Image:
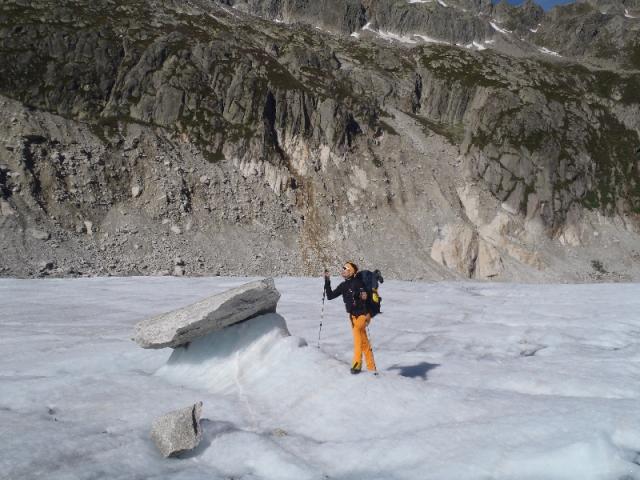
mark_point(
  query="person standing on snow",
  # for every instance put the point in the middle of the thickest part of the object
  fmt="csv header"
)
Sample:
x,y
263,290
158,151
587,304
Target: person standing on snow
x,y
356,302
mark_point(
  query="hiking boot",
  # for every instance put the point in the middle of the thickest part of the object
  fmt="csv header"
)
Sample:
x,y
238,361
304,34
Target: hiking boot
x,y
355,370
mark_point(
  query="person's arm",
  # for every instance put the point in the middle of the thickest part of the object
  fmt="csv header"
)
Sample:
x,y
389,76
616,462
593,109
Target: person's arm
x,y
331,294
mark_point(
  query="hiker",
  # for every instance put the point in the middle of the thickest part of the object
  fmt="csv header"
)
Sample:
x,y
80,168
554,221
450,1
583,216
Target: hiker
x,y
358,307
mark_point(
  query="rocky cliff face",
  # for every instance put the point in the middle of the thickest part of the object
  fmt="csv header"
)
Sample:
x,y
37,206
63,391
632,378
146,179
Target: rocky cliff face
x,y
281,137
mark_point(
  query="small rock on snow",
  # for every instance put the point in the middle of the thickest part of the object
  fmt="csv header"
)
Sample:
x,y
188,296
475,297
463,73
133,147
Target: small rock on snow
x,y
178,431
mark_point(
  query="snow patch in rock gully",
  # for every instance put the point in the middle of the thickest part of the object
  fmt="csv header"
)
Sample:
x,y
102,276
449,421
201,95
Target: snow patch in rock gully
x,y
504,31
428,39
546,51
472,45
506,381
391,36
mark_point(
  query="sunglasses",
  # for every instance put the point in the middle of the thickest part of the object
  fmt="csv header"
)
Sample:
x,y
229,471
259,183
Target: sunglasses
x,y
346,267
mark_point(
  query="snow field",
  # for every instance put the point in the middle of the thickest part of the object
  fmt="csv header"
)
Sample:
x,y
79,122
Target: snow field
x,y
477,381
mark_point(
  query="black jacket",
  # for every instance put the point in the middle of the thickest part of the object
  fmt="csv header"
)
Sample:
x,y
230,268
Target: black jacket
x,y
350,290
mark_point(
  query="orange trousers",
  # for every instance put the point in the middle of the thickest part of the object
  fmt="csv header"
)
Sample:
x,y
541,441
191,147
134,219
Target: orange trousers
x,y
361,342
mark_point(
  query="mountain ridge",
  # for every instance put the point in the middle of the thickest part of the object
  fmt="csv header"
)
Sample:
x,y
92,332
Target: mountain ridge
x,y
197,138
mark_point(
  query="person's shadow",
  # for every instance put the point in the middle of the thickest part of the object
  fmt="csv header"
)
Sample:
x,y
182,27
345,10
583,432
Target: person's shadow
x,y
414,371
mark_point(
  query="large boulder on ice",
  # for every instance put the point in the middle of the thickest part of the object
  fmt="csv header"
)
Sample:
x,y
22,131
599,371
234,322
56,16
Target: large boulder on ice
x,y
178,431
181,326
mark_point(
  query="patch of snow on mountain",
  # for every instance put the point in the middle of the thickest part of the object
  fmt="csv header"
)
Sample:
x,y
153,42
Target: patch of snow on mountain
x,y
479,46
504,31
420,1
627,14
229,10
324,30
214,17
389,36
549,52
427,39
473,45
442,3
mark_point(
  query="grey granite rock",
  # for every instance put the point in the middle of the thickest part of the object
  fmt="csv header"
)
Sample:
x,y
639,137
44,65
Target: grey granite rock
x,y
180,326
178,431
39,234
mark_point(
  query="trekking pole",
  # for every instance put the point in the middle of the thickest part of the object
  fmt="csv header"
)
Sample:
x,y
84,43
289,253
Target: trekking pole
x,y
321,317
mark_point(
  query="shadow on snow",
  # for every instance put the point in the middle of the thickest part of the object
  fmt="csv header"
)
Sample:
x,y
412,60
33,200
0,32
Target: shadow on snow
x,y
414,371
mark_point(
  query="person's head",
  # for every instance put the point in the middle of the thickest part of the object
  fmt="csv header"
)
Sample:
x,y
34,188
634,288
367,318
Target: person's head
x,y
349,270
